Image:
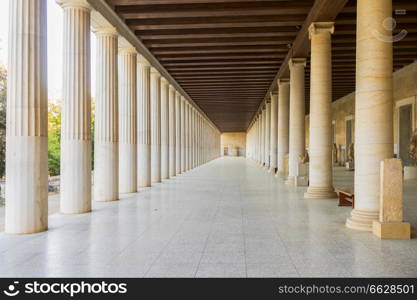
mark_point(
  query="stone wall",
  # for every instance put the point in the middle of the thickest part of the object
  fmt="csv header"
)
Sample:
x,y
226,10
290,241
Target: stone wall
x,y
235,143
405,92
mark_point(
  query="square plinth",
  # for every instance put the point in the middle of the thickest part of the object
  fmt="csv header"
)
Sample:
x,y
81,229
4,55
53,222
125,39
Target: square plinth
x,y
388,230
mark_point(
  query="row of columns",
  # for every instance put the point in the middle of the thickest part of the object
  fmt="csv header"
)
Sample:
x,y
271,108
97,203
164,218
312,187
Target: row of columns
x,y
373,114
144,130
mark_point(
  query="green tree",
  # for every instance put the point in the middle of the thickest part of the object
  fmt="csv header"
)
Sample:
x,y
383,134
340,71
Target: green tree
x,y
54,137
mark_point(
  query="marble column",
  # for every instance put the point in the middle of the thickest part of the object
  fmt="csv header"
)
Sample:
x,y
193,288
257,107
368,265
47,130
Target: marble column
x,y
297,116
164,128
321,164
283,122
127,120
155,126
373,108
27,119
106,131
273,145
172,131
182,142
187,136
267,134
76,155
178,122
262,139
144,122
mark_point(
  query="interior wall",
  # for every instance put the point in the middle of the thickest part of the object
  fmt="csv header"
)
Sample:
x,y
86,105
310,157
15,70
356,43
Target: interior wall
x,y
235,142
405,92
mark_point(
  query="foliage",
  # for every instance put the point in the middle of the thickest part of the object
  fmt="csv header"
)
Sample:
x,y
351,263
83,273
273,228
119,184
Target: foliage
x,y
54,137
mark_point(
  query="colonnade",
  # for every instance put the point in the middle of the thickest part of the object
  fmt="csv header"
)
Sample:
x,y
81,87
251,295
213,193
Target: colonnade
x,y
373,114
145,129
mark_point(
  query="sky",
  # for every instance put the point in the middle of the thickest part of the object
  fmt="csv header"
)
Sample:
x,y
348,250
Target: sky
x,y
55,41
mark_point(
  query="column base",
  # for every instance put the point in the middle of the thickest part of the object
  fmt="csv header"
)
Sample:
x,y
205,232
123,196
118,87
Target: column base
x,y
290,180
361,219
272,170
320,193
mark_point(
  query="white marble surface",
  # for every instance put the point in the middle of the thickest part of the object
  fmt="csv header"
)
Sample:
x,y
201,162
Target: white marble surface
x,y
227,218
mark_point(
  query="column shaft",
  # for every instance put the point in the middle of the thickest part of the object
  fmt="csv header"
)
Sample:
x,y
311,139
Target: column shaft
x,y
373,108
75,189
27,119
321,171
267,134
127,120
106,132
178,142
172,131
144,123
283,122
155,126
273,146
183,117
297,116
164,129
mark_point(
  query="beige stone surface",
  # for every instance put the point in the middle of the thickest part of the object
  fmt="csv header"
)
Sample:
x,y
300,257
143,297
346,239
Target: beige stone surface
x,y
391,191
233,140
394,231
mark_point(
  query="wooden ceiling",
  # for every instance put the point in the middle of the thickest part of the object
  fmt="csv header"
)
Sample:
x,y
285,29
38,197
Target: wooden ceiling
x,y
226,53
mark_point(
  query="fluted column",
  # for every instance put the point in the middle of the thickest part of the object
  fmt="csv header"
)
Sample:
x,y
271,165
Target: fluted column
x,y
75,189
263,124
283,122
178,142
155,125
127,120
187,136
27,119
172,131
273,145
297,116
320,175
106,132
373,108
267,134
144,122
183,117
164,128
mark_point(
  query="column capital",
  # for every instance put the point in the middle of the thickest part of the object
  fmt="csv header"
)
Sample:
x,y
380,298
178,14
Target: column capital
x,y
155,72
127,50
282,81
74,4
143,61
273,94
177,94
164,81
105,31
297,62
320,27
172,88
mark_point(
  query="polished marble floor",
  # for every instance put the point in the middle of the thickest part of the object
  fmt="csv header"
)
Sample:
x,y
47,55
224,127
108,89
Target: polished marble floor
x,y
228,218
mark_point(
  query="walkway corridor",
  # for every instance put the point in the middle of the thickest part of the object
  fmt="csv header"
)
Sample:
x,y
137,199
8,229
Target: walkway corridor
x,y
228,218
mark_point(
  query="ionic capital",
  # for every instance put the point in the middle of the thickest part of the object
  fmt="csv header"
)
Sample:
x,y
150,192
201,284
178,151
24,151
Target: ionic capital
x,y
74,4
320,27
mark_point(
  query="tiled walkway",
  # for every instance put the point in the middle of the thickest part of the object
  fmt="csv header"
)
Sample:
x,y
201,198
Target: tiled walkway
x,y
227,218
